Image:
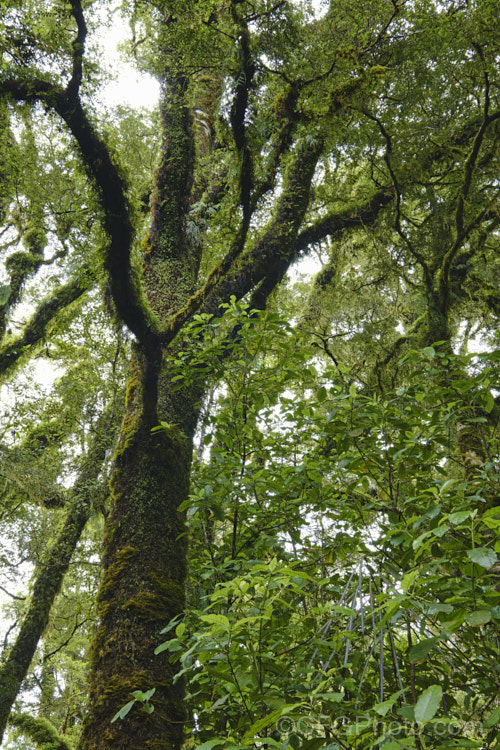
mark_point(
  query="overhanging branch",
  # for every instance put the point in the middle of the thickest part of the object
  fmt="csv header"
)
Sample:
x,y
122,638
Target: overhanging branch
x,y
36,328
111,190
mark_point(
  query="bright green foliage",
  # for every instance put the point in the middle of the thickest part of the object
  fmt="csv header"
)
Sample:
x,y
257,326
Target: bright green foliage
x,y
340,565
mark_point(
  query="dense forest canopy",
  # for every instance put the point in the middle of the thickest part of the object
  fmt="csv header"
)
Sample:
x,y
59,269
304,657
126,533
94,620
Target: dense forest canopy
x,y
250,377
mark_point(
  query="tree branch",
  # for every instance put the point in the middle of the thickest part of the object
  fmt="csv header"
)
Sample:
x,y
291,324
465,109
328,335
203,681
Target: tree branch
x,y
112,194
40,731
330,225
50,574
36,328
78,46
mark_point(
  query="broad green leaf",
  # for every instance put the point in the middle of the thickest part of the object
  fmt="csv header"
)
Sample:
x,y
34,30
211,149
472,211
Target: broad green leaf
x,y
422,649
493,718
179,631
435,608
271,718
383,708
313,744
408,579
209,744
171,645
446,485
321,394
215,620
143,696
428,704
459,517
479,617
417,543
489,403
483,556
4,294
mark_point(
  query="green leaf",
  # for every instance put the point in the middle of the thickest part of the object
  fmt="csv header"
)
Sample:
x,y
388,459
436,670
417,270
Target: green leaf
x,y
383,708
417,543
179,631
261,724
141,696
489,403
429,351
4,294
422,649
428,704
313,744
215,620
459,517
209,744
479,617
493,718
483,556
408,579
123,711
172,624
321,394
171,645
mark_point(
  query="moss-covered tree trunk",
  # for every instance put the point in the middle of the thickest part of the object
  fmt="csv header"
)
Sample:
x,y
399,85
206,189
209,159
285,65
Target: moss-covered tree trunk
x,y
144,550
142,587
50,575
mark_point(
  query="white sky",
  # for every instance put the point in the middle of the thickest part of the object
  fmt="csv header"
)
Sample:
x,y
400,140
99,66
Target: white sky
x,y
129,87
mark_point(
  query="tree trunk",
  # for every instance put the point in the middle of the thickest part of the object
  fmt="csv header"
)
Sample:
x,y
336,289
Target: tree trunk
x,y
145,547
144,571
49,577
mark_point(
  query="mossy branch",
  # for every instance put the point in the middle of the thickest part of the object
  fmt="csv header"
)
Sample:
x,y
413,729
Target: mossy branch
x,y
273,248
238,113
112,194
462,231
78,49
40,731
50,574
355,216
35,330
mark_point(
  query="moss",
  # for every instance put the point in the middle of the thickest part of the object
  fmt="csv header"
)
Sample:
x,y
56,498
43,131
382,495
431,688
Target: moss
x,y
117,689
113,574
149,605
165,599
131,420
42,732
145,246
21,263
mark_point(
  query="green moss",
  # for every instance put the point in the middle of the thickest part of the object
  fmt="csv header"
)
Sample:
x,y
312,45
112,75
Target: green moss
x,y
131,420
113,574
42,732
149,605
118,688
21,263
165,598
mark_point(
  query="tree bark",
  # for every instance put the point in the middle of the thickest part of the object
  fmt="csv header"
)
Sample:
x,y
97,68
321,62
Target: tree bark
x,y
145,547
49,577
